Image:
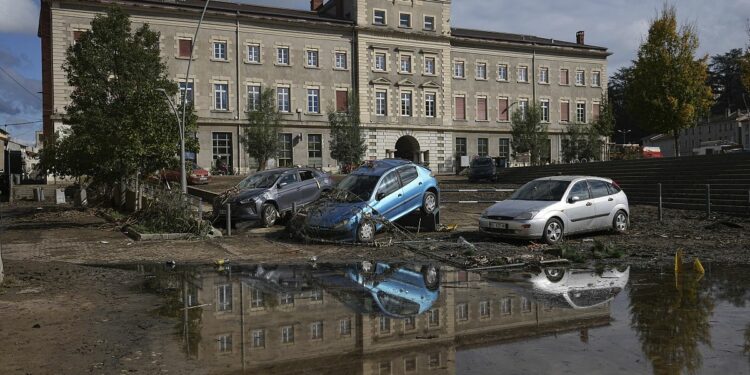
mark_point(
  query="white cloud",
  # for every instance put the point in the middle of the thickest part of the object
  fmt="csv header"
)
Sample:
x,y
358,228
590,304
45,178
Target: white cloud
x,y
19,16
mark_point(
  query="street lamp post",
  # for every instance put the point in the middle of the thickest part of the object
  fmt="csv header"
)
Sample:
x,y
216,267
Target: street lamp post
x,y
181,129
624,133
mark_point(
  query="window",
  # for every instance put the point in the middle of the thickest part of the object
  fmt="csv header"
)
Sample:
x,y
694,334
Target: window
x,y
462,312
221,144
253,53
185,46
525,305
544,75
282,55
429,104
523,74
221,96
384,368
259,338
502,72
404,20
253,97
186,87
481,109
581,112
564,111
315,295
580,78
381,103
504,151
502,109
345,327
406,64
312,59
406,104
429,23
506,306
256,298
389,185
378,17
341,60
544,105
483,147
410,323
313,100
315,151
407,175
433,319
410,364
595,109
523,106
385,323
77,35
461,147
287,298
460,107
220,50
285,160
342,100
458,69
433,361
380,62
598,188
316,331
580,190
564,77
481,72
224,294
429,65
484,309
287,335
596,79
283,99
224,344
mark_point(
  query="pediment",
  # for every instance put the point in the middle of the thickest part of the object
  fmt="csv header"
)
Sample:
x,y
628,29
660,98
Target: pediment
x,y
430,85
381,81
406,82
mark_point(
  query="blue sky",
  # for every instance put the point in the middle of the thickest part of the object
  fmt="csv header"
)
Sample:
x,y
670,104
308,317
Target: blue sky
x,y
616,24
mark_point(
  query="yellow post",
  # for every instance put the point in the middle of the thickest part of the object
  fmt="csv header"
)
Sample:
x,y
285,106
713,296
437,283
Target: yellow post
x,y
678,262
698,267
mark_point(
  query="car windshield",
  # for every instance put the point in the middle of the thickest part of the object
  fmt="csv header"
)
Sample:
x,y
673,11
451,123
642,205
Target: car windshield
x,y
542,190
481,162
397,305
357,188
262,180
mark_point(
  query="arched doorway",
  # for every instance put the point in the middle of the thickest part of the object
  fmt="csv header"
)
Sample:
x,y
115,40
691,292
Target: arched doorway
x,y
407,147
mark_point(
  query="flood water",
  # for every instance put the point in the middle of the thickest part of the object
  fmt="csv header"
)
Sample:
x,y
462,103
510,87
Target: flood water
x,y
379,318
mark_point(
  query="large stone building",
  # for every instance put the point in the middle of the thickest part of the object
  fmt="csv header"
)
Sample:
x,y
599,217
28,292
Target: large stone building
x,y
426,91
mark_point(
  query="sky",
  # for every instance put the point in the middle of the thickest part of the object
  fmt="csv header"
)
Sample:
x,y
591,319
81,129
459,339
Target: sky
x,y
616,24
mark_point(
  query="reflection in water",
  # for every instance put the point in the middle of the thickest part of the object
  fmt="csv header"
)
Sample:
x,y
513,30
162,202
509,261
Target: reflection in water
x,y
359,319
671,318
747,342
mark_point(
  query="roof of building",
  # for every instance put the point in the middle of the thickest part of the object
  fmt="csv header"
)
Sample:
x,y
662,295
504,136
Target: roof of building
x,y
518,38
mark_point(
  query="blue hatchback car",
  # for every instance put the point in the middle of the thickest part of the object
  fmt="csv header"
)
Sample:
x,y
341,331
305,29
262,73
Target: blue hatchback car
x,y
379,191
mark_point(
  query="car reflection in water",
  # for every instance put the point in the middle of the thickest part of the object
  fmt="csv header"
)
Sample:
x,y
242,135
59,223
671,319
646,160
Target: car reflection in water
x,y
567,287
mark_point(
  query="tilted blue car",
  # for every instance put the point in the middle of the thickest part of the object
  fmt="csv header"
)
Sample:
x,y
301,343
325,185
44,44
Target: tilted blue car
x,y
380,191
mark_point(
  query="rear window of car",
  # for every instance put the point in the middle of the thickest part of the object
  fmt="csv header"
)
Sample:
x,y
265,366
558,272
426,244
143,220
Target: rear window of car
x,y
389,184
598,188
481,162
306,175
408,175
613,189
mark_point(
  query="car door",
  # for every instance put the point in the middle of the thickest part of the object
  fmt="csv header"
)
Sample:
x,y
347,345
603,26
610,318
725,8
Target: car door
x,y
411,185
389,197
582,212
309,188
604,203
286,190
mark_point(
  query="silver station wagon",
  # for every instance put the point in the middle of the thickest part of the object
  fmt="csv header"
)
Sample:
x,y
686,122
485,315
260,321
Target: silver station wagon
x,y
552,207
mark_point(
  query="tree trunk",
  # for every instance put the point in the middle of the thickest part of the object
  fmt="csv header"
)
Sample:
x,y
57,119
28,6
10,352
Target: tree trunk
x,y
676,143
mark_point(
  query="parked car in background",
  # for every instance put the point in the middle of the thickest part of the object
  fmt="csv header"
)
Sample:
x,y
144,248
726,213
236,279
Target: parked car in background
x,y
196,175
379,190
552,207
267,196
482,168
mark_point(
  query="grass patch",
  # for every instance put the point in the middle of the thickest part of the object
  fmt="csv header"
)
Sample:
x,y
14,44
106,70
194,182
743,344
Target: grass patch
x,y
571,253
606,251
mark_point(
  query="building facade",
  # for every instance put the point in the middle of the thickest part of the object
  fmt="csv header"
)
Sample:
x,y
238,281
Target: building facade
x,y
732,129
426,91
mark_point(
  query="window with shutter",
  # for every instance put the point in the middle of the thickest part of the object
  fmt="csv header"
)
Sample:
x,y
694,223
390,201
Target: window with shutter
x,y
503,114
596,109
342,101
77,35
564,111
185,46
481,109
460,108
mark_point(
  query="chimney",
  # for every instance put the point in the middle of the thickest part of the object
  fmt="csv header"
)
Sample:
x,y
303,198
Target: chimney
x,y
315,5
581,37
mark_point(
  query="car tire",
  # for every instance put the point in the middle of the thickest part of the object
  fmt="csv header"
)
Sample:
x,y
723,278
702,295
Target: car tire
x,y
366,231
268,215
429,203
431,276
554,274
553,232
620,223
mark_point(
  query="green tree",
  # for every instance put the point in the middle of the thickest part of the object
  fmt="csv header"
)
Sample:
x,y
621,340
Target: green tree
x,y
529,134
582,141
725,73
347,145
624,119
668,90
261,133
121,127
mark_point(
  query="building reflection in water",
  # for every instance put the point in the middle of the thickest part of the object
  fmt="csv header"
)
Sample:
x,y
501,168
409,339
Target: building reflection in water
x,y
372,319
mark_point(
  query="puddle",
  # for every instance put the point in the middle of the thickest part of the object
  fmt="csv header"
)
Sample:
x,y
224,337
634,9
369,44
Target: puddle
x,y
379,318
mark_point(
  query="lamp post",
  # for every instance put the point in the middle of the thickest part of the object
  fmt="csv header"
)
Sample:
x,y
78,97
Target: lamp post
x,y
624,133
181,128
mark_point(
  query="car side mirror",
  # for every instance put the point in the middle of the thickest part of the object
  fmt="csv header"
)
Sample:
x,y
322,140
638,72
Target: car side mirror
x,y
574,199
281,185
380,196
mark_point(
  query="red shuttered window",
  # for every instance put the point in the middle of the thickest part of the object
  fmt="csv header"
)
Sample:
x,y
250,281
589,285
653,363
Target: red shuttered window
x,y
342,101
460,108
185,45
565,111
502,108
481,109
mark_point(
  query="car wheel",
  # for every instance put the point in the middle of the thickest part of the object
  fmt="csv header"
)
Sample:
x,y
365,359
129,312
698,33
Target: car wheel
x,y
366,231
431,276
554,274
620,222
553,232
429,203
269,215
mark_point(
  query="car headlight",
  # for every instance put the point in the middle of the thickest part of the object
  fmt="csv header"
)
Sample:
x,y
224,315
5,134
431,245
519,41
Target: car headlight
x,y
247,201
526,215
484,214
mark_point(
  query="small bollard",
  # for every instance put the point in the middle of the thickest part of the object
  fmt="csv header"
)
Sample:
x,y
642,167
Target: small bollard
x,y
229,219
661,208
708,201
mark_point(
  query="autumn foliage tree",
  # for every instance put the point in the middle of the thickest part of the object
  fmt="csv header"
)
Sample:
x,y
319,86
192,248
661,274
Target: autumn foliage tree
x,y
261,135
669,90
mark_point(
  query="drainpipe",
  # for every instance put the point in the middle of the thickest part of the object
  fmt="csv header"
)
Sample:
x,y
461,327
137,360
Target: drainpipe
x,y
239,111
533,75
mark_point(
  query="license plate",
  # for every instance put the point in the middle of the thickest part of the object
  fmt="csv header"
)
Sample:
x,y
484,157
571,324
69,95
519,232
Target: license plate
x,y
204,178
498,226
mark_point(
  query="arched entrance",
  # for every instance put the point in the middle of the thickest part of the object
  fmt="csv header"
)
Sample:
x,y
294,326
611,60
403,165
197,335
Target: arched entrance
x,y
407,147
